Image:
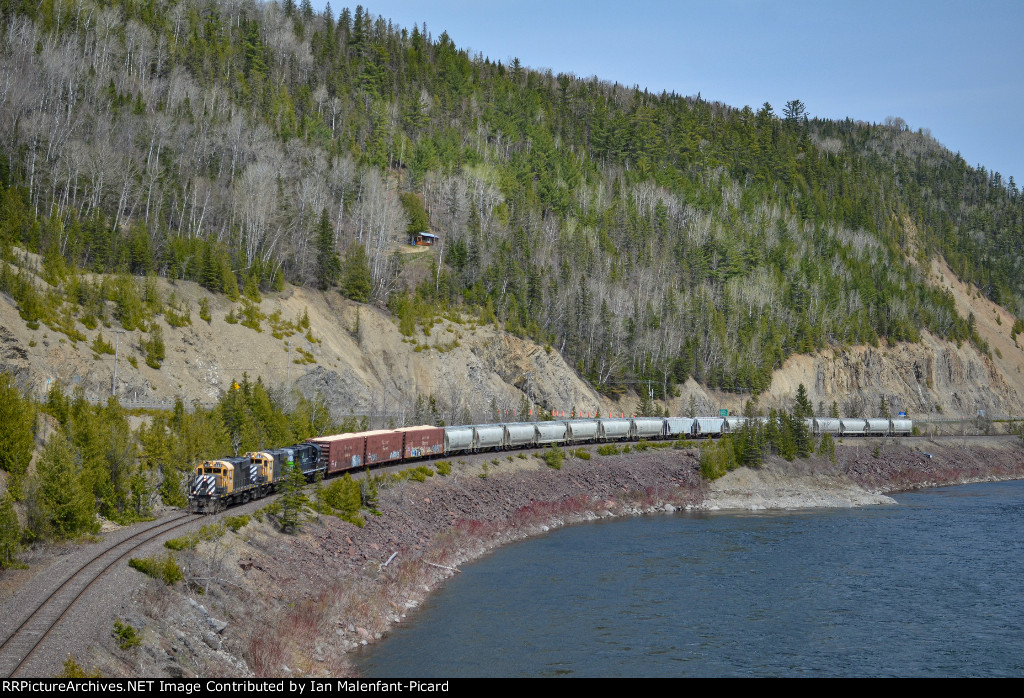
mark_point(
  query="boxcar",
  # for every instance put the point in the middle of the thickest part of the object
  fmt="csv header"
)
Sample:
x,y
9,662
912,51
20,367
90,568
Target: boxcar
x,y
384,446
341,452
423,441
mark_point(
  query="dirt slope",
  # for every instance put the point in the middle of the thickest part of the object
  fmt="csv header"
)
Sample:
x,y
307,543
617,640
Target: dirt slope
x,y
361,364
358,360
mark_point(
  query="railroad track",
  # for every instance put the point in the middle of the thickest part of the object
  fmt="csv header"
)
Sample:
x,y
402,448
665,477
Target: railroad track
x,y
19,647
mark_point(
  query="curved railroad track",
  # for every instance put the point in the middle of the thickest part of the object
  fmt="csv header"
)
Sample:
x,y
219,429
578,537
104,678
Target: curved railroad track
x,y
18,647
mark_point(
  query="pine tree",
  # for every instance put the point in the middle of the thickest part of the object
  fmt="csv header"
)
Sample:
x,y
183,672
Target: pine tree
x,y
61,507
292,499
802,408
327,261
356,280
10,532
17,419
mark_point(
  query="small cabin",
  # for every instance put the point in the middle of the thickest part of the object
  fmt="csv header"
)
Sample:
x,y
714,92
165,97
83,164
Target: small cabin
x,y
425,239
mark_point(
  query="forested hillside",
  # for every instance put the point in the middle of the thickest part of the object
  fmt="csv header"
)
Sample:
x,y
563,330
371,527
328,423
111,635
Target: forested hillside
x,y
647,237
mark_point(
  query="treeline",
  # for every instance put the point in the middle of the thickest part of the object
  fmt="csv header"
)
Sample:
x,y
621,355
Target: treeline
x,y
647,237
94,464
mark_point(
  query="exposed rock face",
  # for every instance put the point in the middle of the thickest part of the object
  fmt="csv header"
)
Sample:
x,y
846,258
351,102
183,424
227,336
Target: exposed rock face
x,y
933,377
365,366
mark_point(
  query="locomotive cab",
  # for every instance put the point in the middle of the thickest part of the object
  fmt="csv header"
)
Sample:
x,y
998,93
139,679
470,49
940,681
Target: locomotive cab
x,y
218,483
212,482
268,467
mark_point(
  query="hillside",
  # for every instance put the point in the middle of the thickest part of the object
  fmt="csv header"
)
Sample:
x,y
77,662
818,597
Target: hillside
x,y
651,240
361,364
359,360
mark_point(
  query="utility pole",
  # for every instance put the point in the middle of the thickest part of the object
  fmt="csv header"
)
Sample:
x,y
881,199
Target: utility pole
x,y
113,380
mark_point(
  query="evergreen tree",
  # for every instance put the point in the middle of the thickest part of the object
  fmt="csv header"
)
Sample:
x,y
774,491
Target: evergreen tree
x,y
17,422
61,507
327,261
292,499
356,280
10,532
802,407
419,221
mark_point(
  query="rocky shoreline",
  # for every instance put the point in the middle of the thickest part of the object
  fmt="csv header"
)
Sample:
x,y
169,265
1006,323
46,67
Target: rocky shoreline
x,y
335,587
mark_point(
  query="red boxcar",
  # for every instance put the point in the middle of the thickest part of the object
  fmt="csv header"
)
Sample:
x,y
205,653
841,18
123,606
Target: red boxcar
x,y
342,451
423,441
383,446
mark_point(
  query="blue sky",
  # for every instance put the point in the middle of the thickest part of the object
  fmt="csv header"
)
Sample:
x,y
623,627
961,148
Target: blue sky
x,y
951,67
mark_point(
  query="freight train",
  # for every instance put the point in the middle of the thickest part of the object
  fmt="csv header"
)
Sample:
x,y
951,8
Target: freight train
x,y
219,483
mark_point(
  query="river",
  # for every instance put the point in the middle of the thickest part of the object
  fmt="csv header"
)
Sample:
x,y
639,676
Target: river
x,y
931,586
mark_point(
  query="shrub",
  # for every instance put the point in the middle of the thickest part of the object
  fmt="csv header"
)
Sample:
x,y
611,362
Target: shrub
x,y
188,541
251,315
582,453
608,450
717,458
74,670
444,467
154,346
163,568
235,523
554,457
101,346
126,636
344,497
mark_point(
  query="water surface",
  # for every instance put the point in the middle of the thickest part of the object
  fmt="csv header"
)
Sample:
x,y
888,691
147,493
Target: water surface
x,y
929,587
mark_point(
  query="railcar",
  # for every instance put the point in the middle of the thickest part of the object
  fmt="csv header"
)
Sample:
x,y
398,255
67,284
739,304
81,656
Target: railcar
x,y
709,426
649,427
826,425
520,434
581,431
459,440
614,429
679,427
550,433
423,441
